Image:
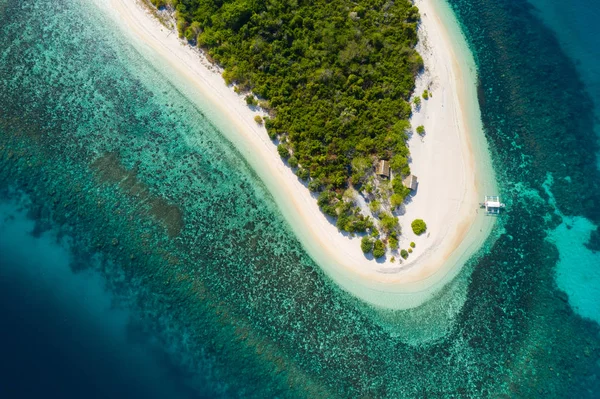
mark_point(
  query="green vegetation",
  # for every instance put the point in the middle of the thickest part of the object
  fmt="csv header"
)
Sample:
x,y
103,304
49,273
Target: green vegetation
x,y
293,162
375,206
417,102
412,244
360,167
366,244
388,222
302,174
399,164
396,200
418,226
404,254
410,250
315,185
425,95
378,249
421,130
393,242
251,101
335,76
283,151
258,119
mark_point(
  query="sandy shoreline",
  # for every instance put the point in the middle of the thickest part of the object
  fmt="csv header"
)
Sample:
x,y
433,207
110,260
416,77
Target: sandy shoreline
x,y
451,163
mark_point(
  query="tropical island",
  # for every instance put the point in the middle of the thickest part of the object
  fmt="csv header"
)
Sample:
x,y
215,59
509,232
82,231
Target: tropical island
x,y
338,108
335,78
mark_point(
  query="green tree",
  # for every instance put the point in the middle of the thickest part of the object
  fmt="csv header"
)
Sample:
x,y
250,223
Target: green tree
x,y
418,226
388,222
302,173
283,151
315,185
404,254
393,241
293,162
360,167
375,206
396,200
250,100
378,249
421,130
366,244
337,78
398,163
192,31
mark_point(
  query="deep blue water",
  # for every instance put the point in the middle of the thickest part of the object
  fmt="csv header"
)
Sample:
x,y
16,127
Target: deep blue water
x,y
63,333
141,257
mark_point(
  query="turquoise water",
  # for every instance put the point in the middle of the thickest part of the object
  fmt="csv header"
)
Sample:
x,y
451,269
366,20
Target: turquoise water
x,y
125,211
576,30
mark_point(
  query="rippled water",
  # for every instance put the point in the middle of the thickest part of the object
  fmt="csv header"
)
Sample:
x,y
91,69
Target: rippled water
x,y
115,168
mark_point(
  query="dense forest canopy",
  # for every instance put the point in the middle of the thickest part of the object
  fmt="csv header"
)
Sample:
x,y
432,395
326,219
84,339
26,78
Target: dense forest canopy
x,y
335,76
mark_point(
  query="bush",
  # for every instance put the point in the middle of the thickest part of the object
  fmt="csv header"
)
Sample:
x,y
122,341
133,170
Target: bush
x,y
250,100
191,33
374,206
366,244
399,188
398,162
283,151
360,167
421,130
410,250
425,95
315,185
396,200
258,119
393,241
388,222
378,249
417,101
412,244
418,226
302,173
293,162
404,254
325,198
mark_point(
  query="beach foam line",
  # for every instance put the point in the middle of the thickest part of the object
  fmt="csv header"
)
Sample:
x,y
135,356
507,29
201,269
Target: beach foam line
x,y
453,161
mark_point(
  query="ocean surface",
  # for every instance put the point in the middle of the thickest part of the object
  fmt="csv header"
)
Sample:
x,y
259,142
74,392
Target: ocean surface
x,y
140,256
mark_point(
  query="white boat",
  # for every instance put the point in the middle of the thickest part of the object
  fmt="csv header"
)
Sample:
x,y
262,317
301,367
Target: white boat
x,y
492,204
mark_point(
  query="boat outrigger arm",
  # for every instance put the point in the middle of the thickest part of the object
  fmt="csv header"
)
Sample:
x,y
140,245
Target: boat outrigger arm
x,y
492,204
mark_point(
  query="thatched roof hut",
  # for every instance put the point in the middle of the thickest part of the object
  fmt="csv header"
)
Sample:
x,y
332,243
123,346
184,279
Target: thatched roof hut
x,y
383,169
410,182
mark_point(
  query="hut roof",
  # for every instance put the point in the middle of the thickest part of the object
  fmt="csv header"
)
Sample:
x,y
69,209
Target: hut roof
x,y
383,168
410,182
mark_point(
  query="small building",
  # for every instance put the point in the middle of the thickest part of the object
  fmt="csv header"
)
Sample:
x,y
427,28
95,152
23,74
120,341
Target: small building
x,y
383,169
411,182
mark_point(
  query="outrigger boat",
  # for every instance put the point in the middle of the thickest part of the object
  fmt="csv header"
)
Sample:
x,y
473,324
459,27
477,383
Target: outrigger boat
x,y
492,204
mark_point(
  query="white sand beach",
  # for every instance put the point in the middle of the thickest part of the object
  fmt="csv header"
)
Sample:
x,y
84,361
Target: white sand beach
x,y
451,162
